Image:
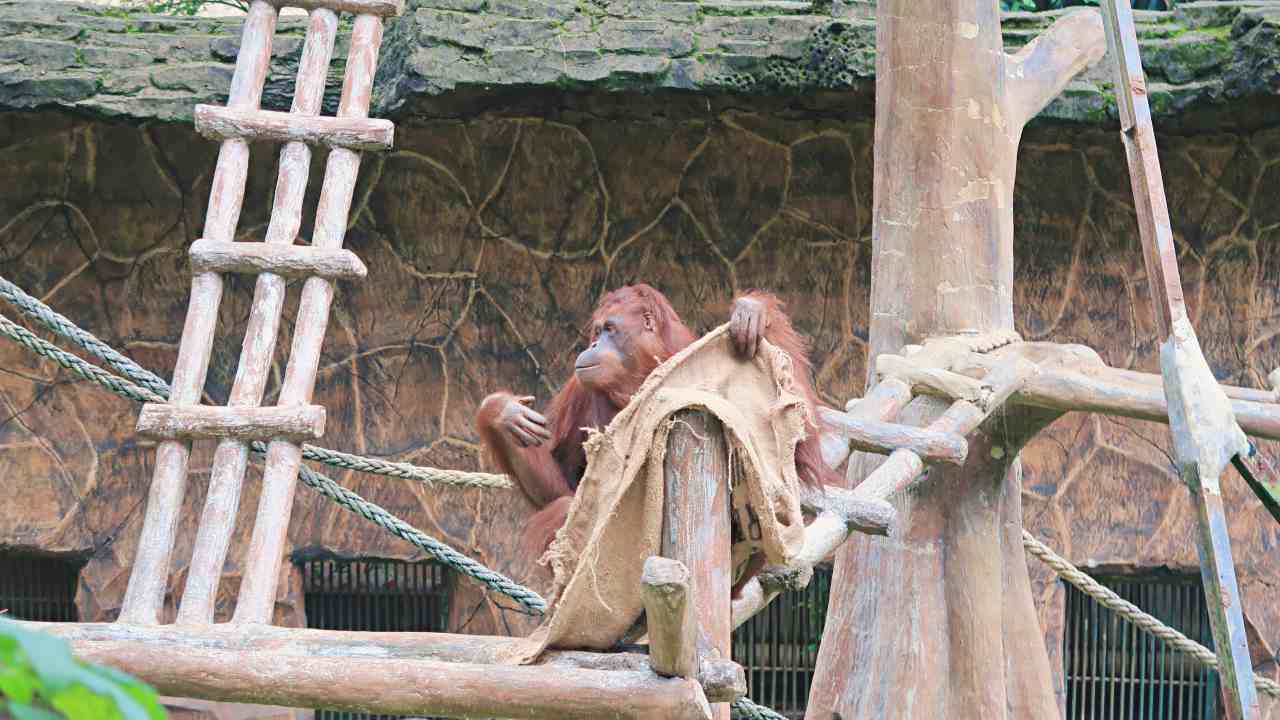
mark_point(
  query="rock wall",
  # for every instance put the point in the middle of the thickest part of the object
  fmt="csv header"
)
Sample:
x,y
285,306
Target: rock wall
x,y
488,237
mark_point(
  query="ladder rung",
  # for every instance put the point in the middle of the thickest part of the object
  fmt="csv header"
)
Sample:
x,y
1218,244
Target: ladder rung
x,y
278,258
381,8
171,422
220,123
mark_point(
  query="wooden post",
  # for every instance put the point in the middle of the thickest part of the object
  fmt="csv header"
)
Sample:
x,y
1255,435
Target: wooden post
x,y
673,633
937,620
231,458
696,530
1206,437
256,601
150,575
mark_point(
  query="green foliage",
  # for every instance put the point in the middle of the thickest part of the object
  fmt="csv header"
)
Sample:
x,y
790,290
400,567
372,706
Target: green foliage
x,y
1041,5
186,7
40,680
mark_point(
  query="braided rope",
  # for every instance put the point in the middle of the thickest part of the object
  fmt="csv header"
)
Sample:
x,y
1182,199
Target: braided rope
x,y
744,709
51,319
1131,612
528,599
88,371
327,487
46,316
428,475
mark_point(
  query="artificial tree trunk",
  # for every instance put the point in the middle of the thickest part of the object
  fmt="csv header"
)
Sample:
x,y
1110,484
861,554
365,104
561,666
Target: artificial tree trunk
x,y
937,620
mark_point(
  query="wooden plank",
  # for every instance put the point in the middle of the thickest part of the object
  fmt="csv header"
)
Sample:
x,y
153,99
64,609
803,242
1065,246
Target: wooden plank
x,y
266,547
221,123
283,260
242,423
884,438
696,530
673,634
1205,434
230,459
381,8
149,578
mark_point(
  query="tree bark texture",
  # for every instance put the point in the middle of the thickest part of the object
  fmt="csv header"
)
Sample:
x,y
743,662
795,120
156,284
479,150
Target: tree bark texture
x,y
937,619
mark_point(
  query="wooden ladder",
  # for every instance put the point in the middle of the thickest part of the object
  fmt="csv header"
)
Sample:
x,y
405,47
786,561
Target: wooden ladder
x,y
244,420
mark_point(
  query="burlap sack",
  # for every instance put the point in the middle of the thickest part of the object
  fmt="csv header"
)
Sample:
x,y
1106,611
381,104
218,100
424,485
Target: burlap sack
x,y
615,521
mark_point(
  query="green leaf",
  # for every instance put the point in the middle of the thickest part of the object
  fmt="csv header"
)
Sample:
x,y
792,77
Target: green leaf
x,y
78,702
18,683
50,657
20,711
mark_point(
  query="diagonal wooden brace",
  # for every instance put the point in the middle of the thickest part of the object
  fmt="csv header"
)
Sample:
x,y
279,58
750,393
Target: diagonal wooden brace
x,y
1206,436
963,417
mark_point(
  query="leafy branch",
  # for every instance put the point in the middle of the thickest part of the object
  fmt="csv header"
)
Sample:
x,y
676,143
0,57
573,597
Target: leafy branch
x,y
40,680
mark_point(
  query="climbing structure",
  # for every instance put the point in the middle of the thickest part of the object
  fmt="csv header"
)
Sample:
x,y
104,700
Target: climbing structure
x,y
955,395
243,420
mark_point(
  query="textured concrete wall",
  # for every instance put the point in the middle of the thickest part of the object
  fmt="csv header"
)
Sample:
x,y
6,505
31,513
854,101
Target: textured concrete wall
x,y
489,236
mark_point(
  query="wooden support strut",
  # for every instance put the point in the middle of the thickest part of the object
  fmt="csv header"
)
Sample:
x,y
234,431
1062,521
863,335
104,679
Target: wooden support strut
x,y
884,437
1206,436
256,601
283,260
221,123
149,578
962,418
231,457
673,633
837,513
241,424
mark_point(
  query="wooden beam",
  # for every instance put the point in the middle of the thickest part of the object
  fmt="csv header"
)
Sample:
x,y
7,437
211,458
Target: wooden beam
x,y
927,380
697,530
381,8
1234,392
723,681
283,260
673,634
1069,391
962,418
884,438
404,687
352,133
170,422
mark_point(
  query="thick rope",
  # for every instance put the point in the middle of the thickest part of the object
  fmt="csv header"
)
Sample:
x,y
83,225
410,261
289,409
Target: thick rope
x,y
88,371
33,308
48,317
428,475
1131,612
527,598
744,709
